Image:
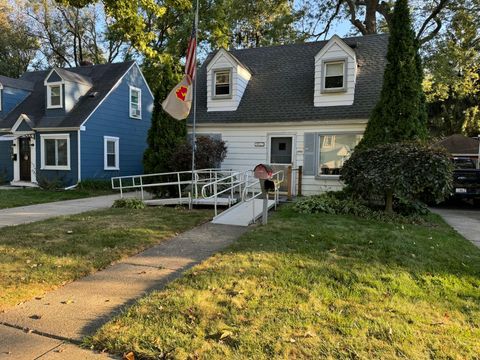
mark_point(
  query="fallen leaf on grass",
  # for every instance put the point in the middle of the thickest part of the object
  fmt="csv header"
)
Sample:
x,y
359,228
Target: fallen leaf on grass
x,y
226,334
129,356
35,317
69,301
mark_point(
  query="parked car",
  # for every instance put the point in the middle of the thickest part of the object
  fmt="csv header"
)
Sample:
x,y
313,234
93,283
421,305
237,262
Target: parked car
x,y
466,179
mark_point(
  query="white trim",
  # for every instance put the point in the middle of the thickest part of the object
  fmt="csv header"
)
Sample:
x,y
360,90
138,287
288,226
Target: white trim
x,y
281,123
50,73
327,62
146,83
114,87
49,95
42,151
293,136
56,129
16,163
1,97
335,39
33,160
79,150
139,91
116,140
214,84
17,124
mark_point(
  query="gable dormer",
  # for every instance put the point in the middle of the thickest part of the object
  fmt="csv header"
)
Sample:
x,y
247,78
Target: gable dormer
x,y
64,88
227,79
335,74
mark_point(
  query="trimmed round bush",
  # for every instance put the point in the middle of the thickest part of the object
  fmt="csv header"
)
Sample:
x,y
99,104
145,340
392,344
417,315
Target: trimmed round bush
x,y
406,171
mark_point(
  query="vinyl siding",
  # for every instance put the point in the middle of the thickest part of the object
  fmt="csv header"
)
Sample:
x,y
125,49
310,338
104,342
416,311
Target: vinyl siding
x,y
243,155
6,163
112,118
11,98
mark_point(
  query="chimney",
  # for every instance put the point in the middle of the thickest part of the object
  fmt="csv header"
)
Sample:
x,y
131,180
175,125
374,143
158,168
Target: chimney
x,y
86,62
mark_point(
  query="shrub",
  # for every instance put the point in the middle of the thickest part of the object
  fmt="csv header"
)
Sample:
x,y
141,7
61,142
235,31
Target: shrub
x,y
54,183
406,171
209,154
341,203
95,184
128,203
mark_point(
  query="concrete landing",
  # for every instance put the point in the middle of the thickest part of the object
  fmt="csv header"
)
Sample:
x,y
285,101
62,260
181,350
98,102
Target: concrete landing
x,y
78,309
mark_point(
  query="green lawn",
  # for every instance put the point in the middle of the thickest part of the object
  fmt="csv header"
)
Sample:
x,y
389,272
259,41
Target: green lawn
x,y
22,197
314,287
41,256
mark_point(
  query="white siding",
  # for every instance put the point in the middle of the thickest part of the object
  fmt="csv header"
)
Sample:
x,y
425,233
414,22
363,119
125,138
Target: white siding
x,y
243,155
335,51
240,78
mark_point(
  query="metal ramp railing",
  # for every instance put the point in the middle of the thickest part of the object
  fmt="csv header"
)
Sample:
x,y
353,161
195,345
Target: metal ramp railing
x,y
181,187
205,187
250,208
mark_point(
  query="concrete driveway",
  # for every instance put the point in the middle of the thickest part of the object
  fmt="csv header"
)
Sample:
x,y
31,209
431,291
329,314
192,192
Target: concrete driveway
x,y
465,221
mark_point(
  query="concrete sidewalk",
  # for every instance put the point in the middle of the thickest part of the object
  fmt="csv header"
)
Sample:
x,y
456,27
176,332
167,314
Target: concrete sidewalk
x,y
466,222
78,309
31,213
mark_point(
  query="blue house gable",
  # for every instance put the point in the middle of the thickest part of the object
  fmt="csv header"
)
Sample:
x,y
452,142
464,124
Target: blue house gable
x,y
88,122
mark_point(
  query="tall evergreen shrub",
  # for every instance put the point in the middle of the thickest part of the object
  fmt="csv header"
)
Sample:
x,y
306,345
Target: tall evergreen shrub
x,y
400,113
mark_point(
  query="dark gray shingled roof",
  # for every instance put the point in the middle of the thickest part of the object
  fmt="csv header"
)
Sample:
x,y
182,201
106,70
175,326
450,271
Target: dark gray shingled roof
x,y
282,84
103,78
16,83
68,75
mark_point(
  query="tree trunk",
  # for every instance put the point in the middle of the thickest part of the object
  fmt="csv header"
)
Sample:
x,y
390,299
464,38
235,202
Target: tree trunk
x,y
389,201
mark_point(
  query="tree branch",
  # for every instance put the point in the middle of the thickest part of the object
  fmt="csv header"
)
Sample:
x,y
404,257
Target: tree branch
x,y
432,16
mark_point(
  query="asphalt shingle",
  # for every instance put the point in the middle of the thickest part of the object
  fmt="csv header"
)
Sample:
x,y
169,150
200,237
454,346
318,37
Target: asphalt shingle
x,y
282,84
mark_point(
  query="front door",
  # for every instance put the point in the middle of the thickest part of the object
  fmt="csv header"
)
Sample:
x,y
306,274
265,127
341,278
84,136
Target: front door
x,y
25,160
281,156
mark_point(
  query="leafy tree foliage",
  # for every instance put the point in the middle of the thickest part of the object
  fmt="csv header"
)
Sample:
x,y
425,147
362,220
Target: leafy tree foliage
x,y
69,36
372,16
400,113
400,170
209,154
17,47
166,133
452,83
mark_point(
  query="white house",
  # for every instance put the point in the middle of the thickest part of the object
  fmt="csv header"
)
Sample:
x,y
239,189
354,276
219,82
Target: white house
x,y
303,104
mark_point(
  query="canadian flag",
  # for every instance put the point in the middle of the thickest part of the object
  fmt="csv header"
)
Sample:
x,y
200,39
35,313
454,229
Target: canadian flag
x,y
179,102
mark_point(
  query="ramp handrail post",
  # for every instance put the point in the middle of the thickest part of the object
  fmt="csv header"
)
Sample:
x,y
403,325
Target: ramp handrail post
x,y
196,184
215,189
141,187
121,189
179,186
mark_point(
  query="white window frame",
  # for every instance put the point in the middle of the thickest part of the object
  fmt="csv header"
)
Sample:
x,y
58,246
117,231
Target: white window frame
x,y
44,137
49,95
318,147
116,140
325,63
130,103
1,97
214,84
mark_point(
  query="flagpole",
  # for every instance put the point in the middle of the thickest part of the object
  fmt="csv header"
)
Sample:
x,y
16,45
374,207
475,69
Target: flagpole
x,y
194,142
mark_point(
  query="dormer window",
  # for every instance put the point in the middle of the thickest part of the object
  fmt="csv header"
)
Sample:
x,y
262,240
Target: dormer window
x,y
54,96
334,79
222,85
135,103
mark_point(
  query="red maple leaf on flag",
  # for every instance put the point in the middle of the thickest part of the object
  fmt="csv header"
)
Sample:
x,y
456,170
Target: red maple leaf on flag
x,y
182,93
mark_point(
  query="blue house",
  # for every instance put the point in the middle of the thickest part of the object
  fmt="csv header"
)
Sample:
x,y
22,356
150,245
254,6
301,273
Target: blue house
x,y
88,122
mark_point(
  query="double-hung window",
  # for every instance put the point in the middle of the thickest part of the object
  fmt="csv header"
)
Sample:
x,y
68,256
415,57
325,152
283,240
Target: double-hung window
x,y
334,150
111,153
55,151
222,83
54,96
135,103
334,79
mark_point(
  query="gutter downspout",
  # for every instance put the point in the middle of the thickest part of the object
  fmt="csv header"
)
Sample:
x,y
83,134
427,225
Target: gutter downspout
x,y
79,158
